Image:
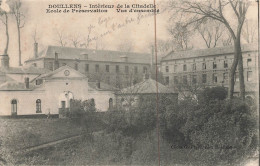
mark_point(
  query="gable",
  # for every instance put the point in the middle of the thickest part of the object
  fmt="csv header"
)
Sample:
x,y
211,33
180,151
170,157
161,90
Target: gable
x,y
64,72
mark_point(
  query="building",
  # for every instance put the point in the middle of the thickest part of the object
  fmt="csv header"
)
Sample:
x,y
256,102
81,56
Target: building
x,y
133,95
209,67
51,92
112,67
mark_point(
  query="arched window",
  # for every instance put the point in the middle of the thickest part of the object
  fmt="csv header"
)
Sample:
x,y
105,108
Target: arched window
x,y
14,107
110,103
38,106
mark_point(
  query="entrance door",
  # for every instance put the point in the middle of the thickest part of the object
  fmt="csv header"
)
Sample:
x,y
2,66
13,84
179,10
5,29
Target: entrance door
x,y
14,107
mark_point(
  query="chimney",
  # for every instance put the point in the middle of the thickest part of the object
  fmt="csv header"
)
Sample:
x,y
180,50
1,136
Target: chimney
x,y
98,84
146,76
56,61
5,61
35,50
26,81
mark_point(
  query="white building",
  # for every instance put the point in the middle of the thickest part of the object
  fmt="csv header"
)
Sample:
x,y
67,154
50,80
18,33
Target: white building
x,y
47,92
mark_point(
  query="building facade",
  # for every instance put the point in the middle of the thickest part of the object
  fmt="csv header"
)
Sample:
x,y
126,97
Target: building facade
x,y
209,67
112,67
51,92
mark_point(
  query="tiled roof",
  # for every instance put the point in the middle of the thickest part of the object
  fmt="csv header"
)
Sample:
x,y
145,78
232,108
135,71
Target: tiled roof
x,y
93,55
207,52
23,70
15,86
148,86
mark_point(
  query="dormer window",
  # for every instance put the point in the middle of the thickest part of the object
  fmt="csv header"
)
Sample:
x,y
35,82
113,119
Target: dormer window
x,y
85,55
38,82
124,58
56,56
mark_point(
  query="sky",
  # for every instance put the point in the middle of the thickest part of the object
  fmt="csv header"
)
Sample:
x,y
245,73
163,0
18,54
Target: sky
x,y
109,30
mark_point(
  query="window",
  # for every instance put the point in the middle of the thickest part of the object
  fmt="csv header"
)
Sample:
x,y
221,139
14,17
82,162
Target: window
x,y
117,68
14,107
225,64
63,104
110,101
185,80
225,77
144,69
136,70
249,62
76,66
194,79
107,68
214,65
175,68
50,66
126,69
38,106
204,78
167,80
215,78
236,77
167,69
184,67
204,67
86,67
108,79
194,66
249,76
38,82
97,68
175,79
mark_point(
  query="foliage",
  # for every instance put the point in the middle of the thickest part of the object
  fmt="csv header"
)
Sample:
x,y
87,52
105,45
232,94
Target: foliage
x,y
215,93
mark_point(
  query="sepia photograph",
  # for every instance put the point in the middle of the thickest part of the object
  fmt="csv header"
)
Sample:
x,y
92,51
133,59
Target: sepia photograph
x,y
127,82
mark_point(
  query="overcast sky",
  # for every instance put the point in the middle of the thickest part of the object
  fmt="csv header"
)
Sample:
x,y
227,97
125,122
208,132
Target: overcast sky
x,y
139,32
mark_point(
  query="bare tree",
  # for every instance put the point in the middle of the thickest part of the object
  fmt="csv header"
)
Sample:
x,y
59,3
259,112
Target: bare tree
x,y
61,39
180,36
75,40
249,31
199,11
16,10
211,32
227,41
88,40
125,46
4,19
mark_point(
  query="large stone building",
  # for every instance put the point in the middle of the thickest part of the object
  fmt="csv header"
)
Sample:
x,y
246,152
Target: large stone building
x,y
113,67
209,67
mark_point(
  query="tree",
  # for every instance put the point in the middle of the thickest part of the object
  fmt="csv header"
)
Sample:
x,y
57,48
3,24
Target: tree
x,y
180,36
125,46
4,19
249,31
74,39
211,32
61,40
16,10
199,11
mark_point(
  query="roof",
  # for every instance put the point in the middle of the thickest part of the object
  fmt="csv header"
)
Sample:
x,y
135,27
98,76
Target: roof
x,y
103,86
207,52
92,55
49,74
148,86
24,70
15,86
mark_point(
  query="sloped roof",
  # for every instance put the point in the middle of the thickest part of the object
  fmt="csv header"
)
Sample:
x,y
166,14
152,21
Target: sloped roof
x,y
207,52
15,86
148,86
24,70
103,86
93,55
